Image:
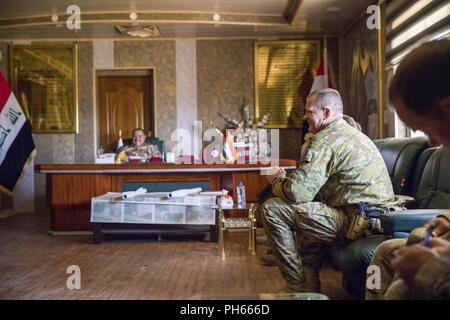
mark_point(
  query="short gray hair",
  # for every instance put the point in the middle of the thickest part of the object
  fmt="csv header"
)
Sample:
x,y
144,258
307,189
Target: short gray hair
x,y
328,97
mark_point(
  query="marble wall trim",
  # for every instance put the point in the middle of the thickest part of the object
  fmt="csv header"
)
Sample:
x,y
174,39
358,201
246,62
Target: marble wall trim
x,y
186,83
103,54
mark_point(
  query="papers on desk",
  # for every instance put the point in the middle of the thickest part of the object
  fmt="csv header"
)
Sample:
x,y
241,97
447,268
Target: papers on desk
x,y
214,193
131,194
183,197
106,158
190,195
184,192
127,194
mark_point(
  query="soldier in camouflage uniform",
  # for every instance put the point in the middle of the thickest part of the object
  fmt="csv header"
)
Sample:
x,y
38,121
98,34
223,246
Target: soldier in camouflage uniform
x,y
340,168
268,258
140,148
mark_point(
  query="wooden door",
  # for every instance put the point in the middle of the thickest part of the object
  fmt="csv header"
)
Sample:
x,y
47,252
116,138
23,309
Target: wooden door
x,y
124,104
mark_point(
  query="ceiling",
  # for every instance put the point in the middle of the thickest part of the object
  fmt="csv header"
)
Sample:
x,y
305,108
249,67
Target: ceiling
x,y
25,19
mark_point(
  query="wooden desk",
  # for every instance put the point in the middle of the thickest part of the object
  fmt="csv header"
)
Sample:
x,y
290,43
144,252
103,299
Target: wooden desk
x,y
70,187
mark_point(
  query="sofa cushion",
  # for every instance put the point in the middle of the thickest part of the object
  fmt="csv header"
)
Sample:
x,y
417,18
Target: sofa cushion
x,y
400,157
400,223
420,167
434,188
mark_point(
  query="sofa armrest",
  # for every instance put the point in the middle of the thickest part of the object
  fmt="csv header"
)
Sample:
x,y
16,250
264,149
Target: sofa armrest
x,y
410,202
399,223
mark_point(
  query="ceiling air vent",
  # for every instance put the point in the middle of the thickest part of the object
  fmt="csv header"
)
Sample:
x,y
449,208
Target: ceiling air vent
x,y
139,31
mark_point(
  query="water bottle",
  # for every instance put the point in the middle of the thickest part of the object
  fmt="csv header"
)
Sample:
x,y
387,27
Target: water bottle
x,y
238,193
241,199
244,198
100,150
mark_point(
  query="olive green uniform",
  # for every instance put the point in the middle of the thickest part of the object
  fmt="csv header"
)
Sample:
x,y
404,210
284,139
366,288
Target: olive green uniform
x,y
145,151
340,168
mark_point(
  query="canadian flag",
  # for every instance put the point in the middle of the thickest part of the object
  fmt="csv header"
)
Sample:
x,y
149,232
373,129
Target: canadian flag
x,y
16,142
322,81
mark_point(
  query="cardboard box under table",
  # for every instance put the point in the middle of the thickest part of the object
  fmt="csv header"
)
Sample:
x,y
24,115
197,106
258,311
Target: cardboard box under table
x,y
153,213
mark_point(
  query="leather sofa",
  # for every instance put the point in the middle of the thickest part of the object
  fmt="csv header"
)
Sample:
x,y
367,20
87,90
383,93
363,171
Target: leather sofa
x,y
417,171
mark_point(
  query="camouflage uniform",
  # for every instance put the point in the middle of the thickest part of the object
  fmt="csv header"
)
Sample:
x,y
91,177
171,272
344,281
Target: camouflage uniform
x,y
431,282
145,151
382,258
340,168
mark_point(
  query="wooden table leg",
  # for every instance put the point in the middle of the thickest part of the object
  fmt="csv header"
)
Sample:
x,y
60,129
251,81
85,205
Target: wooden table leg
x,y
97,233
221,230
252,231
214,229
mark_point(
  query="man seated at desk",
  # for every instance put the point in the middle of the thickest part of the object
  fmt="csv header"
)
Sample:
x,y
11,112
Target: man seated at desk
x,y
139,148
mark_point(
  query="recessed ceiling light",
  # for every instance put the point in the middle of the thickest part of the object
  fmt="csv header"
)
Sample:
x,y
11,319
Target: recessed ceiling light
x,y
216,17
55,20
333,9
133,16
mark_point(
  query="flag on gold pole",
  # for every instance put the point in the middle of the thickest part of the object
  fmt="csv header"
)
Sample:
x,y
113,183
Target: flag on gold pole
x,y
16,142
322,79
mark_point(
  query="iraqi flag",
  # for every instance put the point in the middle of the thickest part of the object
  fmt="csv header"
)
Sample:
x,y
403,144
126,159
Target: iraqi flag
x,y
229,148
119,143
322,80
16,142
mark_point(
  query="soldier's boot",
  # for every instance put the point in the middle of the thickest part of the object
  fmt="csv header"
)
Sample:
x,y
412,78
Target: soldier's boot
x,y
312,277
261,240
268,260
311,283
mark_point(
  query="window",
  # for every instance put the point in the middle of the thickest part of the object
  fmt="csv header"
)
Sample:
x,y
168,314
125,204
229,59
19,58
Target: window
x,y
407,27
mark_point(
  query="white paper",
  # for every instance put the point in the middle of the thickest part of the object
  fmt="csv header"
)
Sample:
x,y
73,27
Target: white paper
x,y
214,193
130,194
184,192
106,158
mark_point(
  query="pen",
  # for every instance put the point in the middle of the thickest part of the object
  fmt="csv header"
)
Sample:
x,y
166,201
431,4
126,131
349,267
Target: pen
x,y
426,240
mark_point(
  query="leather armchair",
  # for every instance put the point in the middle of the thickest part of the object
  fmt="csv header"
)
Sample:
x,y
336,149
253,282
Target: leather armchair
x,y
415,170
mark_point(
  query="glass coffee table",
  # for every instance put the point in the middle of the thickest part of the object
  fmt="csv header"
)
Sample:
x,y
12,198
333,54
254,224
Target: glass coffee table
x,y
153,212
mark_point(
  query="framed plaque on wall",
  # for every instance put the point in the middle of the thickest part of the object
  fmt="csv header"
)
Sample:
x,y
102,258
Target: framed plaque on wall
x,y
284,73
44,80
